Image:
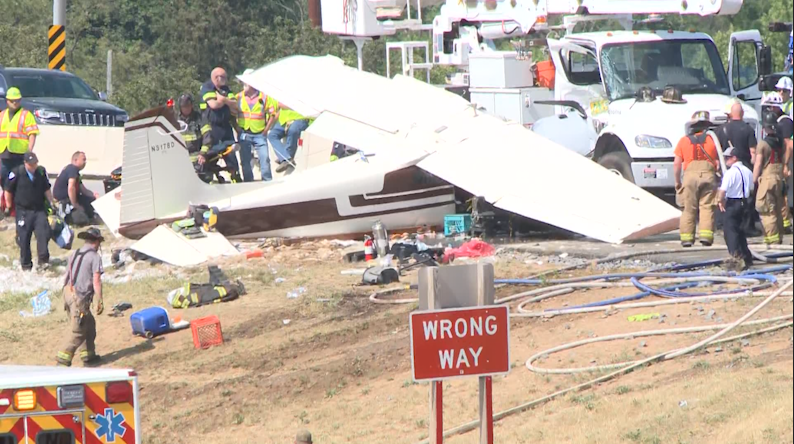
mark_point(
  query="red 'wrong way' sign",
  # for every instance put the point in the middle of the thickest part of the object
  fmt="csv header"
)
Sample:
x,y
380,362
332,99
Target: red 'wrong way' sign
x,y
460,342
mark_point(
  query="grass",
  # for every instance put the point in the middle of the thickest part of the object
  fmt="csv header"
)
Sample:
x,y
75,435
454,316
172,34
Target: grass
x,y
15,301
238,391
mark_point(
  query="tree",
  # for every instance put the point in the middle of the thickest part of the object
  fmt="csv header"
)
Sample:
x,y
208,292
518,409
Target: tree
x,y
163,48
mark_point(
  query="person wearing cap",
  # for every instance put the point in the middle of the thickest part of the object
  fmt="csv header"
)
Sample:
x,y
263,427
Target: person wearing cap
x,y
197,132
74,198
739,135
82,284
304,437
768,171
696,188
253,119
784,87
18,131
735,200
219,107
28,188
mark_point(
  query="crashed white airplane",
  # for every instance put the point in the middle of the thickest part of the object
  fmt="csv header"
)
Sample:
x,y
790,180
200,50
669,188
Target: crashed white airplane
x,y
420,142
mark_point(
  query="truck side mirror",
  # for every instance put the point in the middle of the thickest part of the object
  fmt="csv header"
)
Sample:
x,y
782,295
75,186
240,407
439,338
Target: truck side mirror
x,y
765,61
103,96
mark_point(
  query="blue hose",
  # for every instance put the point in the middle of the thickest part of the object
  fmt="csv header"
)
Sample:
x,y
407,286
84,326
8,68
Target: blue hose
x,y
764,274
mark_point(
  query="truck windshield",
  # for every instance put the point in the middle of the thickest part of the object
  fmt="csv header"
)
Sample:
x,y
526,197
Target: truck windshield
x,y
47,85
693,66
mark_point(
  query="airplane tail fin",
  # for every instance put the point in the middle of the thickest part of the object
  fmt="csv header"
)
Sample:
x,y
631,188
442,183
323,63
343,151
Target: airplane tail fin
x,y
158,179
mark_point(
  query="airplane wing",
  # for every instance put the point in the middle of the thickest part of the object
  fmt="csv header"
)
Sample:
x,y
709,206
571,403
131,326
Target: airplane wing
x,y
510,166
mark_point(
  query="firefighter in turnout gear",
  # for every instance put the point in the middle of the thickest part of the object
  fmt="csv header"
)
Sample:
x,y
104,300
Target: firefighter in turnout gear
x,y
197,134
697,191
83,284
768,170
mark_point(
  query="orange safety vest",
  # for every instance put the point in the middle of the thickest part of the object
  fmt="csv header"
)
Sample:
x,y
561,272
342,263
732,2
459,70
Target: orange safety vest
x,y
252,119
14,134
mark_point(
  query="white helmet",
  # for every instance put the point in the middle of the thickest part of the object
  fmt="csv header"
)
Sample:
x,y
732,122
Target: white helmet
x,y
785,84
772,99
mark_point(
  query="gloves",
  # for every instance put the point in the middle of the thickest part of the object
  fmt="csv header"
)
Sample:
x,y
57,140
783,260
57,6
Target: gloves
x,y
100,307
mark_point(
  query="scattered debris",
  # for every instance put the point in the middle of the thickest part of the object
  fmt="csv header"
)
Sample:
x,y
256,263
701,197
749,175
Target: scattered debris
x,y
176,249
644,317
280,280
41,305
683,404
296,292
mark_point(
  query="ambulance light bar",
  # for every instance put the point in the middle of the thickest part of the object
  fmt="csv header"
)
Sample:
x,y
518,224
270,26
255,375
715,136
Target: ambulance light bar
x,y
24,400
71,396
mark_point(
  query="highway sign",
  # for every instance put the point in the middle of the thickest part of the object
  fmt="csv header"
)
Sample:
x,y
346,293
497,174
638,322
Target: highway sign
x,y
460,342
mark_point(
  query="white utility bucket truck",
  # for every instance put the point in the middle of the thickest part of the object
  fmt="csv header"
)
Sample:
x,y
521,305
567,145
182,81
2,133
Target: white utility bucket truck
x,y
592,106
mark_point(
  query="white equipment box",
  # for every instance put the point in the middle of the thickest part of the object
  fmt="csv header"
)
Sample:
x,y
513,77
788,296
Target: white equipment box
x,y
516,104
499,69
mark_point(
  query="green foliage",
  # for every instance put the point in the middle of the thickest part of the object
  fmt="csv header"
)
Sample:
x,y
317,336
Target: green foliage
x,y
163,48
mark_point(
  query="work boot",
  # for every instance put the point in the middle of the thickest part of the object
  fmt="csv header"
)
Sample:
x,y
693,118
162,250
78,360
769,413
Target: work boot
x,y
64,359
704,242
43,267
686,244
92,361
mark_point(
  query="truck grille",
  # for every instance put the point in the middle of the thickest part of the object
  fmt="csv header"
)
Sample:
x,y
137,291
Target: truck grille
x,y
88,119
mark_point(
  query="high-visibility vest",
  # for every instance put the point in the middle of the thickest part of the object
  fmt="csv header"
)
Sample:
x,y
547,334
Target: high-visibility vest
x,y
252,119
787,107
14,133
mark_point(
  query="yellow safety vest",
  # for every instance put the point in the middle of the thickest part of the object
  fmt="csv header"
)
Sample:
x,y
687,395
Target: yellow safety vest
x,y
252,119
14,133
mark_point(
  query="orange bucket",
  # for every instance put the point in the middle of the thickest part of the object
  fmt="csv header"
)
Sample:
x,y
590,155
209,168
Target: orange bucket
x,y
546,74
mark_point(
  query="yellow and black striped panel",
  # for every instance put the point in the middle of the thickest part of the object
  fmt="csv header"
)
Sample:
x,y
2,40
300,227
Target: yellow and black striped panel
x,y
57,48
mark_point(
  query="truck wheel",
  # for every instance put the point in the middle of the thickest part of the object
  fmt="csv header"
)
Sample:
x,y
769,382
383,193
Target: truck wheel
x,y
618,163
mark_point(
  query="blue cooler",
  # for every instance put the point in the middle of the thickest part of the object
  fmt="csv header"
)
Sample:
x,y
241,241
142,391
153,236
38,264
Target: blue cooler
x,y
150,322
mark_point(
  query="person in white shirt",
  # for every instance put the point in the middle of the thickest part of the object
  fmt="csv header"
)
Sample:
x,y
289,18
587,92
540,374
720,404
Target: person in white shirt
x,y
734,201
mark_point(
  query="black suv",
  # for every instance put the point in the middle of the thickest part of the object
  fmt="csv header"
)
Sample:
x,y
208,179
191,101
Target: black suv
x,y
60,98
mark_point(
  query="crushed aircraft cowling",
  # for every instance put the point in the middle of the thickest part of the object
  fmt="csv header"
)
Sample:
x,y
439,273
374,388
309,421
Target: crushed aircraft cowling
x,y
511,167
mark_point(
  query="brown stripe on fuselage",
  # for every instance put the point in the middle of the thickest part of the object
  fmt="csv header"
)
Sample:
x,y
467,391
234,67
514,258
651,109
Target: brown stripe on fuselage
x,y
277,217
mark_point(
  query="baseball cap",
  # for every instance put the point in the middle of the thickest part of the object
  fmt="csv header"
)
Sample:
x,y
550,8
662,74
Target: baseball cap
x,y
729,152
784,83
304,437
30,157
13,94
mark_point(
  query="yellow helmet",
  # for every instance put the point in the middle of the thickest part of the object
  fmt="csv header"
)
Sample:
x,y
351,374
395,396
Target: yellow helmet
x,y
13,94
729,104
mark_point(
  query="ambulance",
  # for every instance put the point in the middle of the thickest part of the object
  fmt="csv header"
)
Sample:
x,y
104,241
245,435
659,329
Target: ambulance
x,y
60,405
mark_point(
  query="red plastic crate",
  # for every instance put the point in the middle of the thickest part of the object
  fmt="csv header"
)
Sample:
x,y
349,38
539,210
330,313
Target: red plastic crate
x,y
206,332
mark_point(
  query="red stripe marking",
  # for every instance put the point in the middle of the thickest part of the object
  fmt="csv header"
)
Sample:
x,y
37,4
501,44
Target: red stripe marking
x,y
50,403
9,395
98,405
19,429
33,429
